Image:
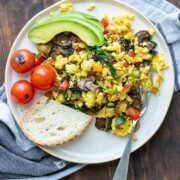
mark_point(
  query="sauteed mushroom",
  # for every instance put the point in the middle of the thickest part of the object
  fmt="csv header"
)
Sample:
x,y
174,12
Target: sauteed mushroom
x,y
144,36
88,84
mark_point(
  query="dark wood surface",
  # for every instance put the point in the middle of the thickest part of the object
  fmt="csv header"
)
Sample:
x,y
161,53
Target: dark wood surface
x,y
158,159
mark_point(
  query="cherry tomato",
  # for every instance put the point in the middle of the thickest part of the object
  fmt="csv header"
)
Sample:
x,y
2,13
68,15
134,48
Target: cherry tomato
x,y
22,92
133,113
114,61
126,64
115,38
104,22
137,64
64,85
22,61
108,31
126,87
43,77
131,53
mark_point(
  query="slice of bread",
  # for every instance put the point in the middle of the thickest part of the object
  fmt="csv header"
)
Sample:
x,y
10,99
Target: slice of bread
x,y
48,122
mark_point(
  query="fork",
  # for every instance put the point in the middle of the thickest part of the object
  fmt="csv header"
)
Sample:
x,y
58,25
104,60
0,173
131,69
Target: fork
x,y
122,168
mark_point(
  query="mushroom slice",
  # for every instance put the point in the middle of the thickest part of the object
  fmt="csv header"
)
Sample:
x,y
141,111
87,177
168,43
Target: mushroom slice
x,y
88,84
142,36
91,86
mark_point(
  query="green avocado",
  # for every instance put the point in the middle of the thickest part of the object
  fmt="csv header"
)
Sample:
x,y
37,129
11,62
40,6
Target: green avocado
x,y
80,15
87,30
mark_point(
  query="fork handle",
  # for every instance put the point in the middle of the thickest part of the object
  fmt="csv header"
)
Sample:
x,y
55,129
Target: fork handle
x,y
122,169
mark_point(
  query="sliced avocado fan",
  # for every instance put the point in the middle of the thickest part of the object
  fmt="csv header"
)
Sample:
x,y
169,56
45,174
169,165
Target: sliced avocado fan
x,y
87,27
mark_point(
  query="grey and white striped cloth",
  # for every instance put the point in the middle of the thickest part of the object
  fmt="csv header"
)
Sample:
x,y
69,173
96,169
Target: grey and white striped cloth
x,y
20,158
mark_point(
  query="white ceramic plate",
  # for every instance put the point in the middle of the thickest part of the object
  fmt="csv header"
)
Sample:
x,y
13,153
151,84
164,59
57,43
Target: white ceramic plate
x,y
95,146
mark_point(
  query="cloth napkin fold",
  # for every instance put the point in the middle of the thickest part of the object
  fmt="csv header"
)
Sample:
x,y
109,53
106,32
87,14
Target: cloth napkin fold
x,y
20,158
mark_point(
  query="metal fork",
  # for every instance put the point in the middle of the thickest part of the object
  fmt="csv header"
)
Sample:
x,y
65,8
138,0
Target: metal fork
x,y
122,168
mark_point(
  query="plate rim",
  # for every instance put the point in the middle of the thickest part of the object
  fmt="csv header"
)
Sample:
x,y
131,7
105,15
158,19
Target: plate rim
x,y
53,6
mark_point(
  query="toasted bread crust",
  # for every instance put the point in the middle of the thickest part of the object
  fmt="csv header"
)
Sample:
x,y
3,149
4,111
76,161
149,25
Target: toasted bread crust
x,y
44,99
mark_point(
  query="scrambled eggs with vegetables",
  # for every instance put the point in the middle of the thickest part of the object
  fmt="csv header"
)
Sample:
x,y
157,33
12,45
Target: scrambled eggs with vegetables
x,y
103,81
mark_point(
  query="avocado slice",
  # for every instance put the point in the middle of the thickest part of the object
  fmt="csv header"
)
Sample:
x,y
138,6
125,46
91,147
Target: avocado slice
x,y
86,30
80,15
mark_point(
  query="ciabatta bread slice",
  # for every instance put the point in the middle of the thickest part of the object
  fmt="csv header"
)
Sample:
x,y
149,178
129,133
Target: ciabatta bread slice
x,y
48,122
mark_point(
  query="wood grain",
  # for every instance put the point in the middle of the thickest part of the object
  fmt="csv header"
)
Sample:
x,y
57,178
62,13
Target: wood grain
x,y
157,160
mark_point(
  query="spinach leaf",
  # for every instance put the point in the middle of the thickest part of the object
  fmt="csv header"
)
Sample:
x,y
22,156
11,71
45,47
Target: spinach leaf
x,y
153,52
129,48
65,95
77,93
107,89
124,42
105,58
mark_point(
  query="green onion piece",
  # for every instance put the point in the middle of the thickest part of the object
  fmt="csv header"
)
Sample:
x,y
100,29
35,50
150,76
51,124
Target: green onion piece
x,y
120,120
107,89
135,74
108,125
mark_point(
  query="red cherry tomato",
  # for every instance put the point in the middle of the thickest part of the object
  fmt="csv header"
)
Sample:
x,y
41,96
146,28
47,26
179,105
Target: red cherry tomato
x,y
114,39
126,64
22,92
22,61
131,53
43,77
133,113
104,22
38,60
108,31
114,61
64,85
137,64
126,87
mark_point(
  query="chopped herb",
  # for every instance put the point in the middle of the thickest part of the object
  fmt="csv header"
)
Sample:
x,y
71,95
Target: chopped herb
x,y
107,89
120,120
105,58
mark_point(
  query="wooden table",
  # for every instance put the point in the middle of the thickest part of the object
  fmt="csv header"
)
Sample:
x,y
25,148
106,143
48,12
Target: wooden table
x,y
157,160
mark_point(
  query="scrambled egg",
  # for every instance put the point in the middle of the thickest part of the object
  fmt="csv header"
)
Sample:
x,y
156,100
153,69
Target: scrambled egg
x,y
91,7
132,70
123,129
66,7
